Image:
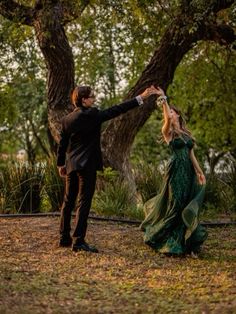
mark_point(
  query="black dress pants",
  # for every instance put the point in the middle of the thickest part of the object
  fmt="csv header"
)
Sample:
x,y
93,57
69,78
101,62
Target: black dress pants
x,y
78,183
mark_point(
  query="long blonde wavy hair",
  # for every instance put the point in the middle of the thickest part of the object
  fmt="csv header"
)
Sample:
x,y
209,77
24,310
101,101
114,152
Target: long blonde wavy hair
x,y
182,124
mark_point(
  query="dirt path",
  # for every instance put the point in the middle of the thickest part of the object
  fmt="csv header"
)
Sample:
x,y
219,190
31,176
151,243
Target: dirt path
x,y
125,277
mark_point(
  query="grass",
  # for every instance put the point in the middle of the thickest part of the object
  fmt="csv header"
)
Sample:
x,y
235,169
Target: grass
x,y
125,277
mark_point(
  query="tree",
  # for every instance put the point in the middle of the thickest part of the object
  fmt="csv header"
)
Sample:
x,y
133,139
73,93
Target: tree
x,y
196,21
193,21
23,92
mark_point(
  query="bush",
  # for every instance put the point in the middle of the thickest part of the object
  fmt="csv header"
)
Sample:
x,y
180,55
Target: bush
x,y
54,185
221,190
113,198
148,179
107,176
21,187
214,187
231,182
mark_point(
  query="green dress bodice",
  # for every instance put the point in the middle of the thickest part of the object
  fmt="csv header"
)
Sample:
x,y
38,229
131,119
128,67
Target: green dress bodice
x,y
172,217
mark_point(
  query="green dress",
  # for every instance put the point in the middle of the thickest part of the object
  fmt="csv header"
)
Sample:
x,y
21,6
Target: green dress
x,y
172,217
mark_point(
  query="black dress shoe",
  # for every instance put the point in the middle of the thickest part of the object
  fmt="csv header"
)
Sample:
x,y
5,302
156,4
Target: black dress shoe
x,y
84,247
65,242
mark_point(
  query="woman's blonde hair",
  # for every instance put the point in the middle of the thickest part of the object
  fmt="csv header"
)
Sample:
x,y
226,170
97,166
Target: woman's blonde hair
x,y
182,124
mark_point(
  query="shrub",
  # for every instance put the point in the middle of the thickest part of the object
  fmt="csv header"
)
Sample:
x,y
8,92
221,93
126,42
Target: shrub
x,y
107,176
21,187
113,198
213,195
148,179
221,190
54,185
228,193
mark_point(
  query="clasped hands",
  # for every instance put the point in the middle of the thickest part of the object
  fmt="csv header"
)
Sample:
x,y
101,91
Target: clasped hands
x,y
152,90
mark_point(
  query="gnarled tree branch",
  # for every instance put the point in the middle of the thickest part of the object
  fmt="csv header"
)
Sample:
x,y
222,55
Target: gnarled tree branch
x,y
220,33
16,12
72,11
218,5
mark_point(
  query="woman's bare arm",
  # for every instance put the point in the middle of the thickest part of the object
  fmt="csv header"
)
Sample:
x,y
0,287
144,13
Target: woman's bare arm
x,y
167,116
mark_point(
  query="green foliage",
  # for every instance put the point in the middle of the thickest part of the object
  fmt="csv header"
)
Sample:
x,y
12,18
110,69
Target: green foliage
x,y
7,106
108,175
21,188
114,43
221,189
148,145
148,179
231,184
26,188
26,96
213,196
200,89
22,93
54,185
113,198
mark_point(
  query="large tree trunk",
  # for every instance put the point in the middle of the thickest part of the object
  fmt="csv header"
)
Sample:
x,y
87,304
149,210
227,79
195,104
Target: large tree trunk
x,y
59,60
119,135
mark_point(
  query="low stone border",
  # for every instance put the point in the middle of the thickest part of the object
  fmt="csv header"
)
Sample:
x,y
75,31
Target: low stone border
x,y
112,219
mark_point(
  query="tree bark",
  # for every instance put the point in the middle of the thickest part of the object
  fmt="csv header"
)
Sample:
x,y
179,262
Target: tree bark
x,y
48,18
59,60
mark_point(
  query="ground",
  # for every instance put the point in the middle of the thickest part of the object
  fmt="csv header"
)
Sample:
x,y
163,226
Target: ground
x,y
125,277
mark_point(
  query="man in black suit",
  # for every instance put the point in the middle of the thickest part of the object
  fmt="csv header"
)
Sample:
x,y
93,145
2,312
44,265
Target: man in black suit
x,y
79,157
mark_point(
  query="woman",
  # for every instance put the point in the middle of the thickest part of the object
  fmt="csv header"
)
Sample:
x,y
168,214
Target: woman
x,y
79,157
171,225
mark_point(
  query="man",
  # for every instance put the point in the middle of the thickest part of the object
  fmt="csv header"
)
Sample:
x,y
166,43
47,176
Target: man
x,y
79,157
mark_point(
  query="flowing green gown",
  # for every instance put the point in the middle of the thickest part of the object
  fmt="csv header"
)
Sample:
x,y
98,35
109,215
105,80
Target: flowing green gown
x,y
172,217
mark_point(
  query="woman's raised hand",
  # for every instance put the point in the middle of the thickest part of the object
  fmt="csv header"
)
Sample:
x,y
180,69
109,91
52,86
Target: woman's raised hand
x,y
160,91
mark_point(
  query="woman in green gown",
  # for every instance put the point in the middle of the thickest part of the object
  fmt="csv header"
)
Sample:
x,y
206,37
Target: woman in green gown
x,y
171,225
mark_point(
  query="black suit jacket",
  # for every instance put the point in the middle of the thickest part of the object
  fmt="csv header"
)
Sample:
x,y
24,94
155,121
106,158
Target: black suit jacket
x,y
80,135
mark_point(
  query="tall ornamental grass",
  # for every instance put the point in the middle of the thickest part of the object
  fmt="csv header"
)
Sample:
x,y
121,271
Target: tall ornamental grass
x,y
113,197
21,188
53,186
221,189
148,178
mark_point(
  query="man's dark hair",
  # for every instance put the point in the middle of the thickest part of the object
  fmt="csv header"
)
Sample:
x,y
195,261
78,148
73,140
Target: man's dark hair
x,y
78,93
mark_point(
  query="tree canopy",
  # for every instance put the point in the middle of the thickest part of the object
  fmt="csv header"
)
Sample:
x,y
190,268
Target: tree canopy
x,y
120,48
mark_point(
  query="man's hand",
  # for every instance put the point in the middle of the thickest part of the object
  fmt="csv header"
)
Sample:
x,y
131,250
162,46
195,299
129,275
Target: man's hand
x,y
148,92
62,171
